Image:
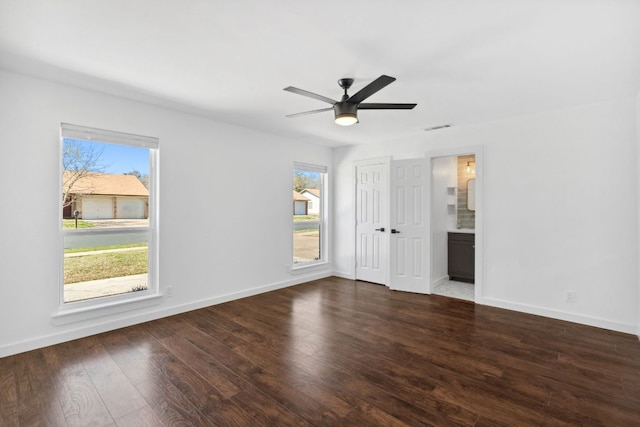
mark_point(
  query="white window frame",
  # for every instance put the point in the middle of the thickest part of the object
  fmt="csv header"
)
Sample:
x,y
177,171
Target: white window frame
x,y
91,308
322,209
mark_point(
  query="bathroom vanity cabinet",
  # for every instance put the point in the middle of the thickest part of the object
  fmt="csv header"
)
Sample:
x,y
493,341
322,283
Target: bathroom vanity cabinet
x,y
461,256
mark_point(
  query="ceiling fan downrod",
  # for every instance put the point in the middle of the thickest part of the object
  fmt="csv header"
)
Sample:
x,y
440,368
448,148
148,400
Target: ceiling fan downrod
x,y
345,84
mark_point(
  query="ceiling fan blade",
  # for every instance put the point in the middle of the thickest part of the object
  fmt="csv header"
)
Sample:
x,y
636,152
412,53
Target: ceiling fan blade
x,y
310,94
304,113
371,88
375,106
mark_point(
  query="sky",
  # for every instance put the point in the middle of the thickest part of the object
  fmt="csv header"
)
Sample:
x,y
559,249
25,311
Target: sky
x,y
118,159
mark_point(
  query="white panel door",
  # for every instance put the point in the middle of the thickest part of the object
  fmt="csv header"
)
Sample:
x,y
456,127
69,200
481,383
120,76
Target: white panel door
x,y
409,258
96,207
371,223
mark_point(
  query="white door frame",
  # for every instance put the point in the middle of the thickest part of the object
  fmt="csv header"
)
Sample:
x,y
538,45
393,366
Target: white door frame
x,y
386,161
478,151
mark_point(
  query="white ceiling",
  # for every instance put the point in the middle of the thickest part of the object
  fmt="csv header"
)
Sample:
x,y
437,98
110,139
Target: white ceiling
x,y
461,61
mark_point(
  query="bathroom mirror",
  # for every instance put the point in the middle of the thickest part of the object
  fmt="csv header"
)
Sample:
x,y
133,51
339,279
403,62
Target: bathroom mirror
x,y
471,194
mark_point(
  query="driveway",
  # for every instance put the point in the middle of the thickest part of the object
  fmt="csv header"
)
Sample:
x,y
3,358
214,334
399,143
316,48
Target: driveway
x,y
306,246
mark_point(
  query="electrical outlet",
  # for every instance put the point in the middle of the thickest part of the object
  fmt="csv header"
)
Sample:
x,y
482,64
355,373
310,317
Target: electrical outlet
x,y
570,296
169,291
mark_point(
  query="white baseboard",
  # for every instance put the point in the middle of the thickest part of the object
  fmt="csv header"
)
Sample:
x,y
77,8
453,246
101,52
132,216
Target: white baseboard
x,y
150,314
345,275
439,282
561,315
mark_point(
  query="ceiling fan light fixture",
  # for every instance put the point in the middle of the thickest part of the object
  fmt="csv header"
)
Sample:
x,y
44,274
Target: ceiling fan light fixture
x,y
346,119
346,113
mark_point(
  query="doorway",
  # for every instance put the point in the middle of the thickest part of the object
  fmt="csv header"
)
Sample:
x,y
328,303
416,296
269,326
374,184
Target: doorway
x,y
456,222
379,258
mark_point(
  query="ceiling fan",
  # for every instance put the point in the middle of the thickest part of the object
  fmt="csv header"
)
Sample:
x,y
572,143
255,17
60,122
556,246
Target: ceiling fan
x,y
346,110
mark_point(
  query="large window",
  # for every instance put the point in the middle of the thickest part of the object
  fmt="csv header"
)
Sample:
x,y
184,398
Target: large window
x,y
108,211
309,229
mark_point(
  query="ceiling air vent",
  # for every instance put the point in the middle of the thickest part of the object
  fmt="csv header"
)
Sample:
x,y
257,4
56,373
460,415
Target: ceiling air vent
x,y
448,125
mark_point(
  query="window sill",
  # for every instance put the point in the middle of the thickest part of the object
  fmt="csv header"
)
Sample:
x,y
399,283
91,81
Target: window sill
x,y
310,268
66,315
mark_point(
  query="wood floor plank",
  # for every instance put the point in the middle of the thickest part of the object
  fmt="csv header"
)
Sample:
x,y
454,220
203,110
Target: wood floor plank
x,y
143,417
580,407
80,401
8,393
117,391
367,414
139,352
131,356
261,408
331,352
35,388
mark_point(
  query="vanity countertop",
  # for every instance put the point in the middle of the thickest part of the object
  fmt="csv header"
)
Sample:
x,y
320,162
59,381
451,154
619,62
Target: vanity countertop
x,y
463,230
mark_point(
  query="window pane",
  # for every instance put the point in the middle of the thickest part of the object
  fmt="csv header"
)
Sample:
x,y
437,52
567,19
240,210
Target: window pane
x,y
103,263
306,241
307,215
102,182
105,211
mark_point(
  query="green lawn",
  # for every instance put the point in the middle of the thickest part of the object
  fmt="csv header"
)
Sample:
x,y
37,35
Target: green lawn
x,y
306,217
104,266
71,223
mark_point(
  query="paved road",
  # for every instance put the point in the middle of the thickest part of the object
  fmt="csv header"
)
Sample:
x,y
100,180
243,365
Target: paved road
x,y
304,225
81,240
104,235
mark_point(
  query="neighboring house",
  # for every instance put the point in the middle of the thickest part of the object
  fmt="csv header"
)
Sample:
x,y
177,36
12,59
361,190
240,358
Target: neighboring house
x,y
106,196
313,194
300,204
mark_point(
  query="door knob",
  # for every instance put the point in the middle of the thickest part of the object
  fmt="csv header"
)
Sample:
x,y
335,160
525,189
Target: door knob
x,y
380,229
394,231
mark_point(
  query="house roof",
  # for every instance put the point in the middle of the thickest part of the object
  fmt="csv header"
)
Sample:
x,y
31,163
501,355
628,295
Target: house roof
x,y
314,191
105,184
299,197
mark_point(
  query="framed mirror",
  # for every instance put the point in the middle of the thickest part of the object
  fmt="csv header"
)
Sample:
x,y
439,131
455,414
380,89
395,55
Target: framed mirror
x,y
471,194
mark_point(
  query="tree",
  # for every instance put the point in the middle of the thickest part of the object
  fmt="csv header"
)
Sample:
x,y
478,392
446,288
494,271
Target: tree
x,y
144,179
304,179
78,160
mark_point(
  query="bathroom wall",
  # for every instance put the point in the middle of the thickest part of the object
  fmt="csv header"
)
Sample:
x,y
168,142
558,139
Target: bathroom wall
x,y
466,218
443,176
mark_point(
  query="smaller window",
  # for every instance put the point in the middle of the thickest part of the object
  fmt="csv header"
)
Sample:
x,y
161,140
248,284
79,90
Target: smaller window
x,y
309,227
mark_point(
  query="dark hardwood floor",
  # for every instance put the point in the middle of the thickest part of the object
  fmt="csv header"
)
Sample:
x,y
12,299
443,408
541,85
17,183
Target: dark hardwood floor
x,y
331,352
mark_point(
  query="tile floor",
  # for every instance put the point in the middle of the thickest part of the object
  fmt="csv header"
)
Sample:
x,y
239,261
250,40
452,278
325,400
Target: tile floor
x,y
453,289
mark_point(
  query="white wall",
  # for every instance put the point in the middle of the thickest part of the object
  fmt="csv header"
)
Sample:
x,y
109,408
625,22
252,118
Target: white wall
x,y
560,209
209,250
638,196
